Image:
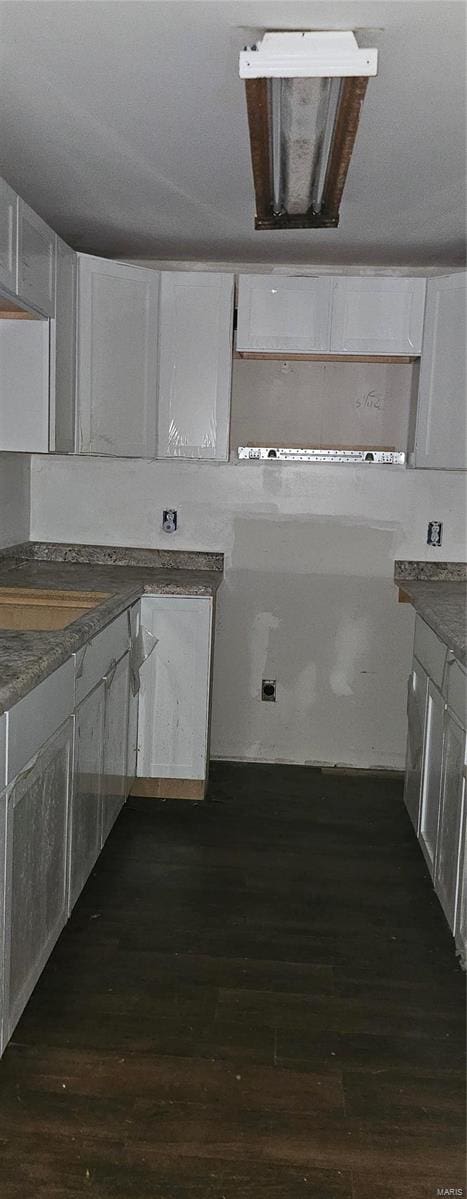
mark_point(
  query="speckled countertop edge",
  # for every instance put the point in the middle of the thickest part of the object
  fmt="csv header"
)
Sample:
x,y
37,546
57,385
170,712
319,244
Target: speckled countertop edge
x,y
442,604
114,555
28,657
452,572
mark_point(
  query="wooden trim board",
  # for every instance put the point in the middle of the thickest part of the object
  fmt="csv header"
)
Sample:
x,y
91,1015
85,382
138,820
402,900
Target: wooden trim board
x,y
269,356
148,788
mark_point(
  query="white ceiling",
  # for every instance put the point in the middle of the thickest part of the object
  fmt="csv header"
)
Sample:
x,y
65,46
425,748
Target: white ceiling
x,y
124,125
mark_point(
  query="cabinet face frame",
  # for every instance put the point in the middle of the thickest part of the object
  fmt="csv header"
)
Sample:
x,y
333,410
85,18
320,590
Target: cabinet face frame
x,y
432,774
448,886
79,871
8,258
63,347
114,785
416,706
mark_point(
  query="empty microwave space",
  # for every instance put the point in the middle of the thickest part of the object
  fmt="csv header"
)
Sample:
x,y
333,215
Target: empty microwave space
x,y
319,404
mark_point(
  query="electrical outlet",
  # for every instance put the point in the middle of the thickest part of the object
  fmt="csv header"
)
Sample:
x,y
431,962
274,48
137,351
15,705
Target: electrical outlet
x,y
268,690
169,520
434,532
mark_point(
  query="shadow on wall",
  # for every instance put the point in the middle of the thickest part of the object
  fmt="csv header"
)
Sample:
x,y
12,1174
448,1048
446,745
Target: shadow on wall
x,y
311,603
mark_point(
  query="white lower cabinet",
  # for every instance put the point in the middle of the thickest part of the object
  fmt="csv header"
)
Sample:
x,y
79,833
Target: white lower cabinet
x,y
115,768
86,805
65,777
435,772
36,839
68,760
173,721
449,855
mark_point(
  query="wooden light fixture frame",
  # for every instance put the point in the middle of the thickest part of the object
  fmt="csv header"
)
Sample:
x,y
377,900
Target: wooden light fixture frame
x,y
351,97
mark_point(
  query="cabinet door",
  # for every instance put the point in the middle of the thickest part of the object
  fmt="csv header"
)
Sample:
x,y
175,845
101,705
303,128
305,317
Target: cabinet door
x,y
416,707
63,352
195,364
24,386
377,315
284,313
36,867
115,776
36,261
447,863
86,814
432,766
8,226
175,684
134,622
440,437
117,344
461,914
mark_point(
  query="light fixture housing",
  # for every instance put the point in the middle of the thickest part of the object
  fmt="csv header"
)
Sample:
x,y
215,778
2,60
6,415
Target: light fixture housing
x,y
304,94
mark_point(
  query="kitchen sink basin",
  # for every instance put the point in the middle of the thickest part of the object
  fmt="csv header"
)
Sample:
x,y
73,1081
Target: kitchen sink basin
x,y
33,608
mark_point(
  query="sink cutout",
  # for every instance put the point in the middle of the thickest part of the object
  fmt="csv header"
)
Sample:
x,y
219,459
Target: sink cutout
x,y
36,609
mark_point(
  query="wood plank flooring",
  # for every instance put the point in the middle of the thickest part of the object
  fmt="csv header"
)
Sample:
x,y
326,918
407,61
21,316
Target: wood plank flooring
x,y
256,998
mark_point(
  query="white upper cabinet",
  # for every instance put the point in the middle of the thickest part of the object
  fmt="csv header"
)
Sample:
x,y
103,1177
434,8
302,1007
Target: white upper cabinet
x,y
117,349
377,315
36,261
63,352
440,438
195,364
24,386
280,313
8,225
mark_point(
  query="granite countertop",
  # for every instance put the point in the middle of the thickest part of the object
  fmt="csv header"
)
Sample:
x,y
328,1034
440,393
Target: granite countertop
x,y
27,657
438,592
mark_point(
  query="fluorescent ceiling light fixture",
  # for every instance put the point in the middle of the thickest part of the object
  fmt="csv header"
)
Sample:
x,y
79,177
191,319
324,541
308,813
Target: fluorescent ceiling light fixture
x,y
304,93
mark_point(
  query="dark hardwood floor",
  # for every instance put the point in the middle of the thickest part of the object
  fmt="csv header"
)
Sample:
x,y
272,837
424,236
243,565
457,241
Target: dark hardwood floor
x,y
255,998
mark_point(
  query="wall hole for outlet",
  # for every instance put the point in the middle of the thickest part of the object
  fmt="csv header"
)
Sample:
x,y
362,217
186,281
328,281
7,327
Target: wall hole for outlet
x,y
169,520
268,690
434,532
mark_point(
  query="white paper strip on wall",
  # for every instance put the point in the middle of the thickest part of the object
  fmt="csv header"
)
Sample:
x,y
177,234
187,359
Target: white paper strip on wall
x,y
288,454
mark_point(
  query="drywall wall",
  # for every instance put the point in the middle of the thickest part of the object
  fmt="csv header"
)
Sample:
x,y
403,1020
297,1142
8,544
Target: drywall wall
x,y
14,498
308,597
321,404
